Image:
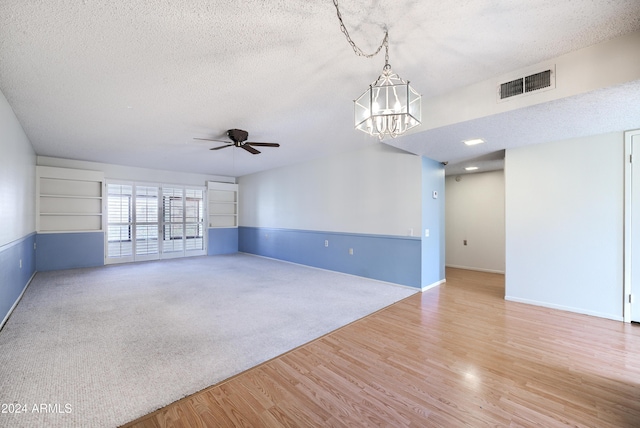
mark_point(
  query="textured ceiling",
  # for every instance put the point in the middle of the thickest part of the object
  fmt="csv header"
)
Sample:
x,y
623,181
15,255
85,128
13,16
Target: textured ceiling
x,y
605,110
133,82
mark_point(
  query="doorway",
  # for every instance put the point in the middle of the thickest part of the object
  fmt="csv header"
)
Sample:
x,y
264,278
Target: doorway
x,y
632,227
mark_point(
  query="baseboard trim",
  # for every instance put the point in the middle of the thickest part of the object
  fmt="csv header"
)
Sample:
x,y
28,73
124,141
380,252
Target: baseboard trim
x,y
6,318
435,284
563,308
476,269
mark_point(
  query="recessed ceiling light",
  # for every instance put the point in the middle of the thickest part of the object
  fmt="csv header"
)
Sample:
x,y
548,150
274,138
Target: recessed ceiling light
x,y
474,141
471,168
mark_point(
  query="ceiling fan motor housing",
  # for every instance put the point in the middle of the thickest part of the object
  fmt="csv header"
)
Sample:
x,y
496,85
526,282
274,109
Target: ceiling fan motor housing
x,y
238,135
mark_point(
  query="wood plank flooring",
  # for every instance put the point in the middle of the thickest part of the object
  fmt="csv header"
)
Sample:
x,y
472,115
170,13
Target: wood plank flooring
x,y
457,355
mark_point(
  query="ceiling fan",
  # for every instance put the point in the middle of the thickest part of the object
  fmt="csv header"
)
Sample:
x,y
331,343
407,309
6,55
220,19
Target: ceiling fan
x,y
238,138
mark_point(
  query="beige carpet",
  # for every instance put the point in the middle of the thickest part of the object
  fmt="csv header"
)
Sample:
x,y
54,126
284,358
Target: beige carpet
x,y
103,346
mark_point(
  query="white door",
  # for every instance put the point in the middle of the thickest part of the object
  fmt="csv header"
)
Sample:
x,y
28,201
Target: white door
x,y
183,223
635,227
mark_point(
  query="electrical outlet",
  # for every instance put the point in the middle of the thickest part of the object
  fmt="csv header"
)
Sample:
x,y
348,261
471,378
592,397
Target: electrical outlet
x,y
326,242
351,251
426,233
464,242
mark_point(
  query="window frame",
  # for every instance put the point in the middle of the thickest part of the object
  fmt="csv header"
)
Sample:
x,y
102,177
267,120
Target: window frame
x,y
185,251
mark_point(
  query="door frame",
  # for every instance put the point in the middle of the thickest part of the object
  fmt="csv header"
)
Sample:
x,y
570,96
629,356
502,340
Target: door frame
x,y
627,289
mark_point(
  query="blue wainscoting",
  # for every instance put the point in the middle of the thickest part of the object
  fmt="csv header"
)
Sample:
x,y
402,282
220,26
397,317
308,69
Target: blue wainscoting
x,y
222,241
56,251
394,259
14,278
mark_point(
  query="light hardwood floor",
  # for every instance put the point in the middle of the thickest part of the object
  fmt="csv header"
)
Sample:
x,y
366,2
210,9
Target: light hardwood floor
x,y
457,355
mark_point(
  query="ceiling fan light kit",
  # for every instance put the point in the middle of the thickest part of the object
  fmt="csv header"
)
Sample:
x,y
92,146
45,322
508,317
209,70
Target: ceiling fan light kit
x,y
390,106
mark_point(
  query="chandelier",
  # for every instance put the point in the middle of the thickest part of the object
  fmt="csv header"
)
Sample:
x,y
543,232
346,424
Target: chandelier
x,y
390,106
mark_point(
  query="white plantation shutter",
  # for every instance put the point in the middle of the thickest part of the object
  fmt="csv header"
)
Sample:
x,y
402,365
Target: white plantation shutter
x,y
173,220
119,221
194,219
147,222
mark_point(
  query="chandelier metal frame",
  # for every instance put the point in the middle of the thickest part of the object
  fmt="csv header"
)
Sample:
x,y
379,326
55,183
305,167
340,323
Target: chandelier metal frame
x,y
390,106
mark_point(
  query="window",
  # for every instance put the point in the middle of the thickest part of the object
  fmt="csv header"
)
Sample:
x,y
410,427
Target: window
x,y
147,222
173,220
194,219
120,220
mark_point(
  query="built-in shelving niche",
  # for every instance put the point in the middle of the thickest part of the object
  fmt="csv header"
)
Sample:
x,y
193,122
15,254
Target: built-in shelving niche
x,y
69,200
223,204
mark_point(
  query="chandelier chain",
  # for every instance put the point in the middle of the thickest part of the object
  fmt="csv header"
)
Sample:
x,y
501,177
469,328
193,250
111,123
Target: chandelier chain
x,y
384,44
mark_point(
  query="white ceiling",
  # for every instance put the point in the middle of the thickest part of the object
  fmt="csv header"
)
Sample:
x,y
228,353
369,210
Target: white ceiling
x,y
133,82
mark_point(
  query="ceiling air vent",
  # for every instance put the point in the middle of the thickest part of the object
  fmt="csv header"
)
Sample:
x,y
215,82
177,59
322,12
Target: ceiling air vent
x,y
537,81
542,80
511,89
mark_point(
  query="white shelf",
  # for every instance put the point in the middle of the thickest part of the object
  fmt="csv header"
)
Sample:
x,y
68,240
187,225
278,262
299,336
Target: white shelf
x,y
223,204
76,214
66,223
67,231
70,196
68,200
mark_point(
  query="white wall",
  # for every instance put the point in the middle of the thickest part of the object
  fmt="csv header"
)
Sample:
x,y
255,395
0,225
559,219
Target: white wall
x,y
17,178
119,172
376,190
474,211
564,224
606,64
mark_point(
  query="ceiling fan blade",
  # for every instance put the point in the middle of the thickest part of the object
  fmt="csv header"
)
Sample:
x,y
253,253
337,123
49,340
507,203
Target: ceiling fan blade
x,y
221,147
250,149
210,139
263,144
